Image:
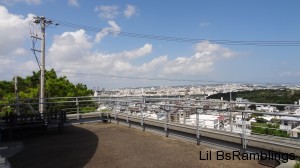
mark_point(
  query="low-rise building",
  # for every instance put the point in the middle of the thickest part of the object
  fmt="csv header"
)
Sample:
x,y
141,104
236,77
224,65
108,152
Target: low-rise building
x,y
288,123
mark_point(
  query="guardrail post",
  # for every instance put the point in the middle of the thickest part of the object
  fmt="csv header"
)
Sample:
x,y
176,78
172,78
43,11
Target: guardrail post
x,y
128,120
166,121
197,123
231,122
109,117
80,119
184,117
115,114
231,117
77,107
142,117
142,113
100,117
244,141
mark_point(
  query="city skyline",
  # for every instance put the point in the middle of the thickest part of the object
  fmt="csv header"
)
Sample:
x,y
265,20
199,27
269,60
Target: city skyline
x,y
110,58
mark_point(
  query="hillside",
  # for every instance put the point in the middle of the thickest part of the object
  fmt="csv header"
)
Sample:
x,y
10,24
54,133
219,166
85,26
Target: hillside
x,y
282,96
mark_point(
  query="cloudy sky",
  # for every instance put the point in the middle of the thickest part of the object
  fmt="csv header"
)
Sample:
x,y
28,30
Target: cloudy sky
x,y
96,42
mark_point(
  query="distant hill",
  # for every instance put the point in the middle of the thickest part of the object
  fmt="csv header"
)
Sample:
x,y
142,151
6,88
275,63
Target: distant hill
x,y
280,96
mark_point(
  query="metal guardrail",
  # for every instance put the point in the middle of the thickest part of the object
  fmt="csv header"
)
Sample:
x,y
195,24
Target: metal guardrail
x,y
271,143
78,107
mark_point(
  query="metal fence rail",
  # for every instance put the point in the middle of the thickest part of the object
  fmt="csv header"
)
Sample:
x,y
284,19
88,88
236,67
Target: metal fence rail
x,y
177,114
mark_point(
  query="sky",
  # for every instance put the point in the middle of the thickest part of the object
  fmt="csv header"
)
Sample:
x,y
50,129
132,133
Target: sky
x,y
94,44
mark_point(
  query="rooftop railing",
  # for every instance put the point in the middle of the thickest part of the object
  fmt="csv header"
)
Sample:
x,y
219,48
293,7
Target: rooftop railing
x,y
223,117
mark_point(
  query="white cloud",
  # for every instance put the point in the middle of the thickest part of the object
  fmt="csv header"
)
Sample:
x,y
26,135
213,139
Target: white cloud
x,y
20,51
107,12
146,49
206,54
114,29
33,1
74,52
77,59
153,64
289,74
71,51
13,33
5,63
73,3
29,66
70,46
129,11
204,24
10,2
212,50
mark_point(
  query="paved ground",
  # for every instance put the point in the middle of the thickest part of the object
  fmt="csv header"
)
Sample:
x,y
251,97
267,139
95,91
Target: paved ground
x,y
111,145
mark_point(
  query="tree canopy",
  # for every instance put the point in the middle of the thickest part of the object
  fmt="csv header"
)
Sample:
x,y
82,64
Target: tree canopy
x,y
54,87
279,96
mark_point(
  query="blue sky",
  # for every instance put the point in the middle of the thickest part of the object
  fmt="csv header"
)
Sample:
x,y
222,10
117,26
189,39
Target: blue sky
x,y
90,56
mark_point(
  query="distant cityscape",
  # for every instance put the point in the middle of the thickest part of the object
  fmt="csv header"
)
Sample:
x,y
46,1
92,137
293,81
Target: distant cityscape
x,y
287,126
201,90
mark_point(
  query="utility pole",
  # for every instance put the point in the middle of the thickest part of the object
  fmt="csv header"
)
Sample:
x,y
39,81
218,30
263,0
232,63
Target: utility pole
x,y
17,96
43,22
42,91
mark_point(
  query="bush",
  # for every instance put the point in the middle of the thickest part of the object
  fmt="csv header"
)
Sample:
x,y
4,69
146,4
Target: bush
x,y
274,120
87,109
7,109
297,165
261,120
252,107
105,110
268,129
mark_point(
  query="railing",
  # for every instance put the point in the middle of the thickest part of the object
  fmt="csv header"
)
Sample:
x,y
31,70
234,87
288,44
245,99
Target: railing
x,y
201,117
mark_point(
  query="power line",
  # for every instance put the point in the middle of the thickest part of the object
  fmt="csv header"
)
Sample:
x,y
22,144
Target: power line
x,y
175,39
173,79
181,39
34,37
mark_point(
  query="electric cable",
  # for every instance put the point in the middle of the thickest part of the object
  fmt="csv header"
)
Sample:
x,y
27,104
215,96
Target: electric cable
x,y
181,39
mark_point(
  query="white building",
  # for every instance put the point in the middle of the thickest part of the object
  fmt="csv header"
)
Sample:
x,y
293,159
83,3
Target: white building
x,y
288,123
239,122
266,108
241,101
205,121
296,132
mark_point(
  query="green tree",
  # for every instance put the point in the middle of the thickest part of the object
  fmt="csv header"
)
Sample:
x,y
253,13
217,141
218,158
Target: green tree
x,y
261,120
29,88
5,88
82,90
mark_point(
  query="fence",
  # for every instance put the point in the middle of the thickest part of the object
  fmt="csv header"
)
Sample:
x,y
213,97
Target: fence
x,y
229,121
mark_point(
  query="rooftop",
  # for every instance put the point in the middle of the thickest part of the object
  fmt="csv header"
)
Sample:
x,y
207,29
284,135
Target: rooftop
x,y
112,145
